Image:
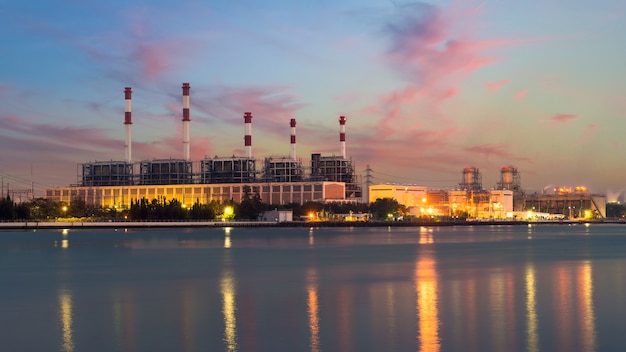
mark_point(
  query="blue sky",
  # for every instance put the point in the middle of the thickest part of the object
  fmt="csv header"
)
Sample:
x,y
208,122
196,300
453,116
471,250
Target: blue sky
x,y
427,87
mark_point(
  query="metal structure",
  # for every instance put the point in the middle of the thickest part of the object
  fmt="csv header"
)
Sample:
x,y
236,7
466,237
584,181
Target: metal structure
x,y
228,170
336,169
219,170
510,180
107,173
282,169
472,179
165,172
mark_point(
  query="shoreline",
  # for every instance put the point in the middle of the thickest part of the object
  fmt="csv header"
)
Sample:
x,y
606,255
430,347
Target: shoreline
x,y
28,225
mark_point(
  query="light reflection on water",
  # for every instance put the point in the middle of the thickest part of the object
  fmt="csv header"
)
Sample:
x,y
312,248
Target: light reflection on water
x,y
313,310
429,289
66,317
229,304
532,338
427,304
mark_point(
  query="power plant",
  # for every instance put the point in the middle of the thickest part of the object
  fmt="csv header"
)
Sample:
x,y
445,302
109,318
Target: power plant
x,y
284,180
281,179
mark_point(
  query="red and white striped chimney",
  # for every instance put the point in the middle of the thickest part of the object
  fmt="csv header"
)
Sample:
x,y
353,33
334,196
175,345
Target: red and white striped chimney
x,y
247,117
186,121
292,123
342,135
128,121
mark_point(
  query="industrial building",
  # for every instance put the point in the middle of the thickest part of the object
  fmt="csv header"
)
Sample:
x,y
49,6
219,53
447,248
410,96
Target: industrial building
x,y
285,179
507,201
121,197
282,179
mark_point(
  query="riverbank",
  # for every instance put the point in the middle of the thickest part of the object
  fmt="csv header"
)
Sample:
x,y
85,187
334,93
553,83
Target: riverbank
x,y
27,225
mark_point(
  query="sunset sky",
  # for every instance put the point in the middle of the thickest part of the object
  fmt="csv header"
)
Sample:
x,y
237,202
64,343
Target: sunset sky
x,y
427,87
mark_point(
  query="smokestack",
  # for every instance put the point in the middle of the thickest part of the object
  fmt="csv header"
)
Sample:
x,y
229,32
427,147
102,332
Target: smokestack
x,y
292,123
247,117
186,121
127,123
342,135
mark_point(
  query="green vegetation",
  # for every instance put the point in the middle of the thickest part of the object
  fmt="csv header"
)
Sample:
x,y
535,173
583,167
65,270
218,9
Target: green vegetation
x,y
162,209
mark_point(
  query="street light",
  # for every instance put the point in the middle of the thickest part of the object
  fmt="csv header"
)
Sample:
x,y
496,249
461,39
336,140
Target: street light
x,y
64,210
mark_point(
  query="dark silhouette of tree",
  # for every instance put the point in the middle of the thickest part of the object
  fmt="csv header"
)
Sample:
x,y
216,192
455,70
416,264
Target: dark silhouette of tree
x,y
250,206
382,208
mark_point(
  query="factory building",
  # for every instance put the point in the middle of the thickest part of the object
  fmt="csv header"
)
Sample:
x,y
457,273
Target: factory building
x,y
576,203
228,170
407,195
121,197
507,201
107,173
282,179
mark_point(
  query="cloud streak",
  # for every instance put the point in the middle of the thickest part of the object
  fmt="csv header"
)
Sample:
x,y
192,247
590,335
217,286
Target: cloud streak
x,y
561,118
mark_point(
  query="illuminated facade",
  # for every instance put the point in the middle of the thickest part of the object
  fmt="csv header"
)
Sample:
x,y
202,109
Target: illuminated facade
x,y
187,194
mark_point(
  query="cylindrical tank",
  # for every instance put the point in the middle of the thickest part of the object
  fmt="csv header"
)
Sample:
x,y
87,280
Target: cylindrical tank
x,y
469,174
508,173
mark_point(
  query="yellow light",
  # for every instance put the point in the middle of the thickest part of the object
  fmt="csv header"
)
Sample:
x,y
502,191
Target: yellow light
x,y
64,208
228,212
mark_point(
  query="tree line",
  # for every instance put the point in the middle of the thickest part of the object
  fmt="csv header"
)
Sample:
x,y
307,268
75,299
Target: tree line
x,y
250,208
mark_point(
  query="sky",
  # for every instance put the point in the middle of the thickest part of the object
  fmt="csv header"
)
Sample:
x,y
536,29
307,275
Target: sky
x,y
427,88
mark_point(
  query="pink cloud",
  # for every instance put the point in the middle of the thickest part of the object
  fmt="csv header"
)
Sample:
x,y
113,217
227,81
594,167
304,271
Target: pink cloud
x,y
427,44
521,94
500,151
495,86
588,133
562,118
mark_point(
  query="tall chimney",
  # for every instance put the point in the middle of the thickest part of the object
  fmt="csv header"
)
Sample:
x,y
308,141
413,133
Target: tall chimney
x,y
292,123
186,121
342,135
247,117
128,121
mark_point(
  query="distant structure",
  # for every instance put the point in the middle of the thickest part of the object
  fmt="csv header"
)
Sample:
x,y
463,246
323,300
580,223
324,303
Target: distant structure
x,y
128,122
337,168
510,179
284,169
171,171
472,179
107,182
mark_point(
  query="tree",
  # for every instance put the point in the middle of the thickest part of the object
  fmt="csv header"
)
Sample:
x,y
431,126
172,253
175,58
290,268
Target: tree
x,y
250,206
381,209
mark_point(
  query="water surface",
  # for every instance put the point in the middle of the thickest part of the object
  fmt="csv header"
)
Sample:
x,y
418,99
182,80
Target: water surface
x,y
465,288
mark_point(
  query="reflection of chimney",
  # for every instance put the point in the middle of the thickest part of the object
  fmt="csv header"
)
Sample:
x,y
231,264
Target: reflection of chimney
x,y
127,122
247,117
342,135
186,121
292,123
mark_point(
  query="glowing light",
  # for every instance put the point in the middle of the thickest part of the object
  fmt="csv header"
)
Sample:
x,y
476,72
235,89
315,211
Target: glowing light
x,y
427,305
65,303
531,311
313,311
229,309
